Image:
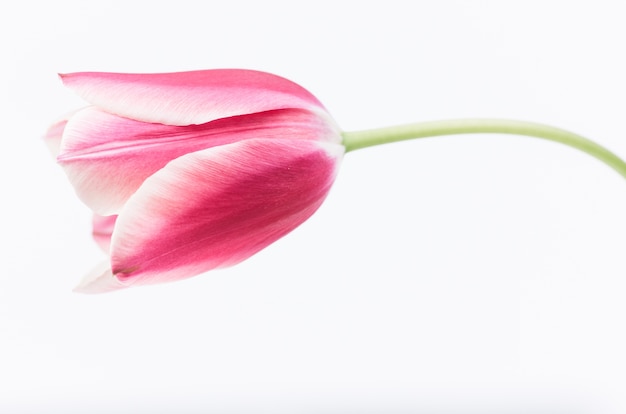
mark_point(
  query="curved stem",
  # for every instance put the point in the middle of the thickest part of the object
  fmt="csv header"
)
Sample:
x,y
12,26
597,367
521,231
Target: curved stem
x,y
362,139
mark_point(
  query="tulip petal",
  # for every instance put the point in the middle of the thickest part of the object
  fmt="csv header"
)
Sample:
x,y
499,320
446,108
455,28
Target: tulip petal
x,y
108,157
53,135
216,207
186,98
100,280
102,230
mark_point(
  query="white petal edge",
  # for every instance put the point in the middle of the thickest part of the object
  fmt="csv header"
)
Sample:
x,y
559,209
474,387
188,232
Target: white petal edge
x,y
100,280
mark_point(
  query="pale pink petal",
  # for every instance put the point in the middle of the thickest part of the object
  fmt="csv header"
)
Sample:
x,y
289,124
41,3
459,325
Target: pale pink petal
x,y
53,135
107,157
217,207
102,230
100,280
186,98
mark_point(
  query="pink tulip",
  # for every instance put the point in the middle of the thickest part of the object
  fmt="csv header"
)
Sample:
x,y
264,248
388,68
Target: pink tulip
x,y
188,172
192,171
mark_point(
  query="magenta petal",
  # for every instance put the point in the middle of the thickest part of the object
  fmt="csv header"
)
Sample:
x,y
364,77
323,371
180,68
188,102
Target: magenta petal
x,y
108,157
217,207
186,98
102,230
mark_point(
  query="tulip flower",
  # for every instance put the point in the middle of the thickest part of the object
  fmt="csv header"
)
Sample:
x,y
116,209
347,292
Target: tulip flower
x,y
192,171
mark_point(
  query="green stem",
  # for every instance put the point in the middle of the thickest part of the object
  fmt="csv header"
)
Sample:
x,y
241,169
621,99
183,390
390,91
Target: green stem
x,y
362,139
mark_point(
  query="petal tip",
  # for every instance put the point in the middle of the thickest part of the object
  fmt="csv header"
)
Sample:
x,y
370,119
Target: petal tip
x,y
100,280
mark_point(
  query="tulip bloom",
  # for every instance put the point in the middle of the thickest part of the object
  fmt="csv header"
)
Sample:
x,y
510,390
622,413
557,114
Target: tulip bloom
x,y
192,171
187,172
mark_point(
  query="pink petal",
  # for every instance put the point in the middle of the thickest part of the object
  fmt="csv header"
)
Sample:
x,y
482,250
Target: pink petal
x,y
107,157
54,134
102,230
186,98
217,207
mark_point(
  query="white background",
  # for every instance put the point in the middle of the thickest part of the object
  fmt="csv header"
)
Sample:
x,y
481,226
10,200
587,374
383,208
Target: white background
x,y
448,275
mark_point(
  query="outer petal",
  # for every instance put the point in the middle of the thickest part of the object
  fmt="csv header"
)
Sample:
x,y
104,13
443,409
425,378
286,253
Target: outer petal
x,y
186,98
107,157
102,230
219,206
